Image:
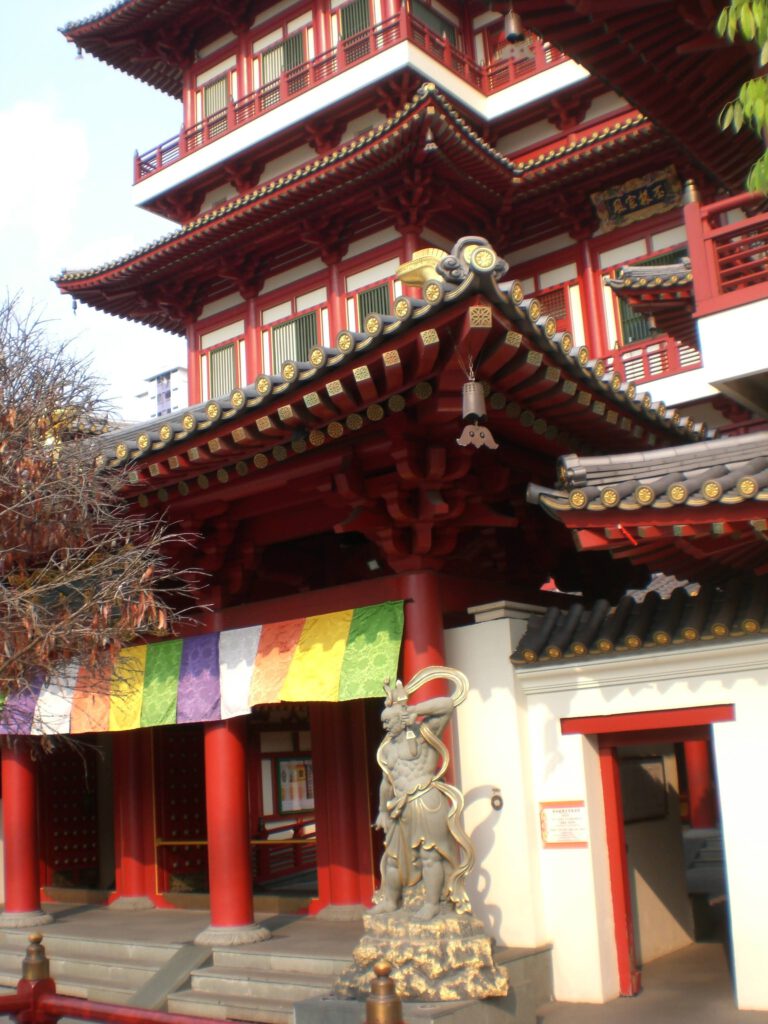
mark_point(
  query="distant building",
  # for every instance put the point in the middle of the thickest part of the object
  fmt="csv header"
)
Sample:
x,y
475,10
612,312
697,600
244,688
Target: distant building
x,y
166,393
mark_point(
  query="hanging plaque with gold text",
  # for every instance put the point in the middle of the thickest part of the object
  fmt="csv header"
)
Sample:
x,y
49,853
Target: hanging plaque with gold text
x,y
637,199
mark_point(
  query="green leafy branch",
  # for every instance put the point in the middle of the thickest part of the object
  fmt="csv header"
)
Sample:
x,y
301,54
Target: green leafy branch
x,y
748,19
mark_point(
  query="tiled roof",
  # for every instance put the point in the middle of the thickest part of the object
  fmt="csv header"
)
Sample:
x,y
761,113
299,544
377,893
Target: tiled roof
x,y
644,278
726,470
655,61
296,395
282,197
738,608
110,35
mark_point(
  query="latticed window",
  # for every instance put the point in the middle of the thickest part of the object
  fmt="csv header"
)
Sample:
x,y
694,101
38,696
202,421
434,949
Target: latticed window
x,y
294,339
282,57
373,300
354,17
222,372
434,21
215,96
636,326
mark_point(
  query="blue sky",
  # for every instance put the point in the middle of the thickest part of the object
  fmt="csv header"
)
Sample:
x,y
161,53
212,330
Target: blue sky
x,y
69,129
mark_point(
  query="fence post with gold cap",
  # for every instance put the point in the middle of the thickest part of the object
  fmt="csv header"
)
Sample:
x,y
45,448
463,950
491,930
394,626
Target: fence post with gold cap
x,y
36,981
383,1006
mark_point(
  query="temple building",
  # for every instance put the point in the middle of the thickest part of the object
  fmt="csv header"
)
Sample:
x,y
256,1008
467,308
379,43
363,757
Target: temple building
x,y
392,227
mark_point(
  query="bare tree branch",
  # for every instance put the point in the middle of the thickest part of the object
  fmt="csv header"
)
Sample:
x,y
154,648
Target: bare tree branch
x,y
81,573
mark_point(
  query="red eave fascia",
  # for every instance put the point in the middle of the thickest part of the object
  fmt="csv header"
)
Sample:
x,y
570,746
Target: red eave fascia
x,y
287,190
716,512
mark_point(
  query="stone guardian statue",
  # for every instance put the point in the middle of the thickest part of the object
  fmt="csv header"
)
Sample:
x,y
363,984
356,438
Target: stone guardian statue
x,y
419,812
421,923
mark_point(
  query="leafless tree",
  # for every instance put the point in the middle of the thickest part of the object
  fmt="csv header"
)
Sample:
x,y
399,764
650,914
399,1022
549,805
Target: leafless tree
x,y
82,573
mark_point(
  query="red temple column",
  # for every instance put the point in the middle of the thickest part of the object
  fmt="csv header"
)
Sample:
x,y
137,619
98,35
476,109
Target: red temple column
x,y
194,389
424,641
701,784
344,858
229,852
322,26
130,800
21,867
337,314
589,275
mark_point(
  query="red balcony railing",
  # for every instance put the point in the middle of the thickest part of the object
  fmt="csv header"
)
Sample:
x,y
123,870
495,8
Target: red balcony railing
x,y
729,260
652,359
347,53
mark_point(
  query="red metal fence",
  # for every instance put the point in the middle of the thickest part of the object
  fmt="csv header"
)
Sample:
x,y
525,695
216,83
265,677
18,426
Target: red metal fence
x,y
728,246
653,358
37,1002
347,53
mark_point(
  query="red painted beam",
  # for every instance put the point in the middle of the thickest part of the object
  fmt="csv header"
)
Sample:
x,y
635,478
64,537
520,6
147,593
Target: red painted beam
x,y
637,721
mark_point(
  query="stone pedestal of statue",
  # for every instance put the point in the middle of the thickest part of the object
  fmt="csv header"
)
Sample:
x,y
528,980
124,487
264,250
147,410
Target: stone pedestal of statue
x,y
448,958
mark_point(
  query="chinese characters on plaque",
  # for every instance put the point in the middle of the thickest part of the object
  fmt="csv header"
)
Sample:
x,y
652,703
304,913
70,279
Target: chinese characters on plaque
x,y
637,199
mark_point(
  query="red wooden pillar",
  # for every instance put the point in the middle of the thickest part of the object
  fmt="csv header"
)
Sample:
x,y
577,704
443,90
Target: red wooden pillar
x,y
321,25
703,264
589,278
342,813
624,930
193,367
21,867
337,314
701,789
423,642
229,851
253,355
134,889
411,243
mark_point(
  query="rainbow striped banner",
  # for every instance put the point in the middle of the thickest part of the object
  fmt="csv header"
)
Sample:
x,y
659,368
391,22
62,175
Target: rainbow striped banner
x,y
341,656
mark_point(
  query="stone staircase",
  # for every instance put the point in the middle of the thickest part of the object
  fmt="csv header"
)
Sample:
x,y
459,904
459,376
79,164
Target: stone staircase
x,y
255,985
704,862
102,970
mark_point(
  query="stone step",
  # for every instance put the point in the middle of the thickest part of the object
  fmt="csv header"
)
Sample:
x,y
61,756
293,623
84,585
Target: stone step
x,y
258,985
100,949
208,1004
126,973
80,988
268,960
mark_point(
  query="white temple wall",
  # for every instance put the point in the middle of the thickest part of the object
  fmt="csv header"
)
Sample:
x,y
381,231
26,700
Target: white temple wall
x,y
489,740
575,882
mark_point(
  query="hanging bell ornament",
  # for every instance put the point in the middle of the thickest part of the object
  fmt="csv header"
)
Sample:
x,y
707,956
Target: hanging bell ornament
x,y
472,411
472,400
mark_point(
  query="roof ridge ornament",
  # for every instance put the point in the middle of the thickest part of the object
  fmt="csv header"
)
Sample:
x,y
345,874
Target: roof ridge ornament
x,y
472,254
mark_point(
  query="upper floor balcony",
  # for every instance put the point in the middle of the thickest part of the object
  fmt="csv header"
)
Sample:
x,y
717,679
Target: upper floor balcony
x,y
356,61
727,243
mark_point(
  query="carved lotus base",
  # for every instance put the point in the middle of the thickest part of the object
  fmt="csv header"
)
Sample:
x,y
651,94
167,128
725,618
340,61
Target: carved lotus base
x,y
445,959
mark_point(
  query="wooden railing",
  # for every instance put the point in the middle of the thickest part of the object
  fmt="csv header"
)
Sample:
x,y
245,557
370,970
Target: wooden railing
x,y
729,260
349,52
652,359
280,848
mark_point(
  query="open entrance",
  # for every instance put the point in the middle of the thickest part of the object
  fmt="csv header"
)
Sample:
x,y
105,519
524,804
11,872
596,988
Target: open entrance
x,y
281,809
663,831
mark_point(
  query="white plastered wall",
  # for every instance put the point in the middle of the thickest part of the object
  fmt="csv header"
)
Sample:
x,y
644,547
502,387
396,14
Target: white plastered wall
x,y
490,753
575,883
